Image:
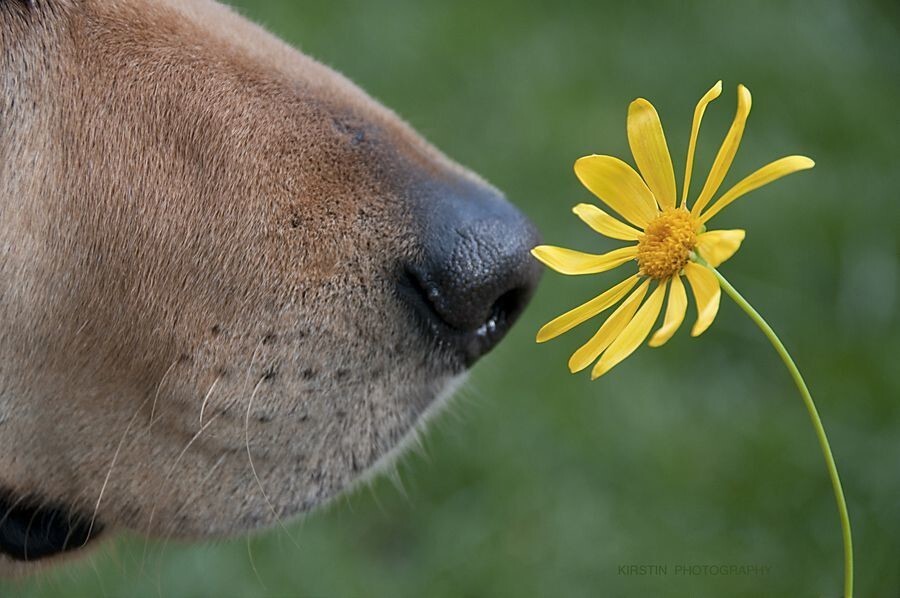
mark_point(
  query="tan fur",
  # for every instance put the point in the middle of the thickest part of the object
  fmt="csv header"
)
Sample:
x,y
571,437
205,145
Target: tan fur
x,y
193,216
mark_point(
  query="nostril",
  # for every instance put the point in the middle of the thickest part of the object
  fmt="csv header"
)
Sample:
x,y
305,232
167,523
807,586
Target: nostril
x,y
447,315
507,307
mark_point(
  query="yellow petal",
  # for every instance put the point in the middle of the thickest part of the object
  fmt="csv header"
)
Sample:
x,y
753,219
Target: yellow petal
x,y
675,311
611,328
707,294
708,97
605,224
716,246
633,334
648,146
619,186
726,153
569,261
586,311
763,176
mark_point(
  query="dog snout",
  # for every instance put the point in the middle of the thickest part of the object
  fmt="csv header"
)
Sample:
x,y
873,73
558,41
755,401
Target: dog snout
x,y
474,275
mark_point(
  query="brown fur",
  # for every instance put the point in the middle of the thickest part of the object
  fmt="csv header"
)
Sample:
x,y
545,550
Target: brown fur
x,y
178,195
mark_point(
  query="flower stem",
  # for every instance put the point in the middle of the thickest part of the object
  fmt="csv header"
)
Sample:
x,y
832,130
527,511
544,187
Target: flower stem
x,y
816,422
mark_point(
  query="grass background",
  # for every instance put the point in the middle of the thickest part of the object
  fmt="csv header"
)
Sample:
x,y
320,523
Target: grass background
x,y
538,483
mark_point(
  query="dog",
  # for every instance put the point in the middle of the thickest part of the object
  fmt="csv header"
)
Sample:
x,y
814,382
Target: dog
x,y
231,283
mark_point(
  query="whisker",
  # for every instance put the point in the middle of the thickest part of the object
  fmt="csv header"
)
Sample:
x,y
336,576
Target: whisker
x,y
159,388
252,363
206,398
397,481
203,427
169,477
96,570
10,510
253,566
253,467
82,327
374,495
198,486
110,470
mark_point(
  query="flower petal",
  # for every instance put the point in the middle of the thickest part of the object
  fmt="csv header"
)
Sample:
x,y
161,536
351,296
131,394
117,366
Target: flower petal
x,y
726,153
605,224
569,261
648,146
633,334
708,97
675,311
716,246
586,311
619,186
611,328
707,294
763,176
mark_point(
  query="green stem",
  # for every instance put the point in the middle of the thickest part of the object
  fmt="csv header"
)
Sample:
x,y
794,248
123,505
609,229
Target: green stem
x,y
816,422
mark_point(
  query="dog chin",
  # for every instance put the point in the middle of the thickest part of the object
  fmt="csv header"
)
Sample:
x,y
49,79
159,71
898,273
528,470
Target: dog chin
x,y
412,437
35,530
385,464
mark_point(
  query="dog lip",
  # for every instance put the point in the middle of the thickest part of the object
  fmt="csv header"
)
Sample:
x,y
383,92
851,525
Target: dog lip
x,y
32,529
465,345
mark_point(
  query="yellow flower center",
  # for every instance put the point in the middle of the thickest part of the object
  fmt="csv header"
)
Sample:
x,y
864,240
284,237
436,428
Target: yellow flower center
x,y
667,244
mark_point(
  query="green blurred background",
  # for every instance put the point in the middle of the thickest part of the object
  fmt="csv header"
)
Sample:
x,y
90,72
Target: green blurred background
x,y
539,483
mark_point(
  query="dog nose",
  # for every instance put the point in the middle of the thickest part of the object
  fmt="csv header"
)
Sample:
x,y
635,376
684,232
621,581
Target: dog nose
x,y
474,274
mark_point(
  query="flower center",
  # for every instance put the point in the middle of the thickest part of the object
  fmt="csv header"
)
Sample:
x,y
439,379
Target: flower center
x,y
667,244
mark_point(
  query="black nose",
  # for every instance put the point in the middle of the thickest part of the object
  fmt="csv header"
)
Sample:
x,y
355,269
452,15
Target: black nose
x,y
474,274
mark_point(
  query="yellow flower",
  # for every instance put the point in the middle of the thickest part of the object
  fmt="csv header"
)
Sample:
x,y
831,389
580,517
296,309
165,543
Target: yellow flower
x,y
669,240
